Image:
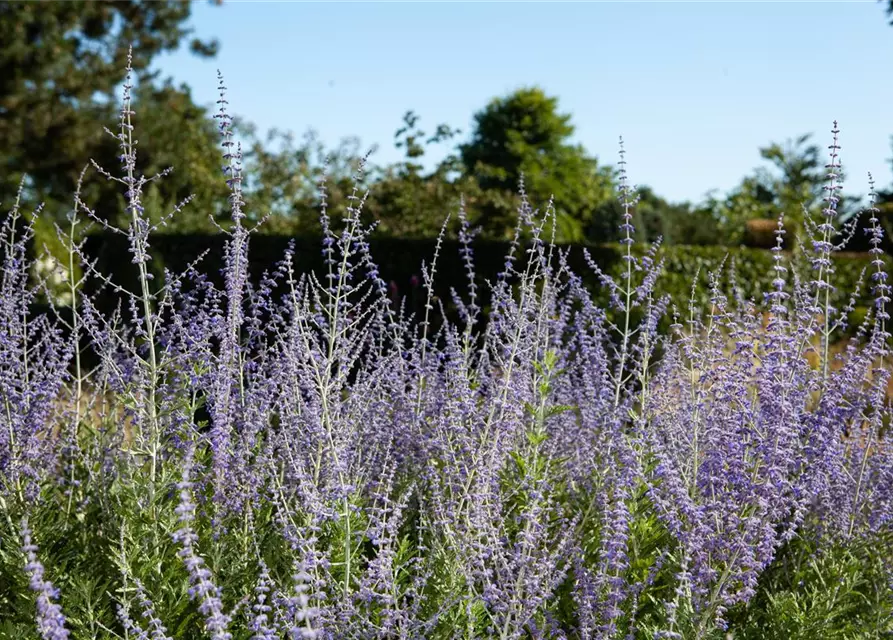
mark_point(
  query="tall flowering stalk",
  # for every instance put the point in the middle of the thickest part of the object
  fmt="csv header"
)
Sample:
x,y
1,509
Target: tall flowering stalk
x,y
50,621
202,590
823,247
873,453
34,358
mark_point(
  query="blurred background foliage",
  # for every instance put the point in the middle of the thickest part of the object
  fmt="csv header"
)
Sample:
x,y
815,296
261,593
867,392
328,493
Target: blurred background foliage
x,y
62,66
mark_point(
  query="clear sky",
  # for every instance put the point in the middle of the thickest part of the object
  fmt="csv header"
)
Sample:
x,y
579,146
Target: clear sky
x,y
694,88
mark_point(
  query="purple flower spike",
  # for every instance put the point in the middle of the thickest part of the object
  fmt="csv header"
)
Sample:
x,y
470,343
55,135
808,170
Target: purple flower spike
x,y
50,621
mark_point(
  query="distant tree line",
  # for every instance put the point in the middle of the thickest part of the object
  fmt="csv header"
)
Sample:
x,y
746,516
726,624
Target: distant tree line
x,y
61,64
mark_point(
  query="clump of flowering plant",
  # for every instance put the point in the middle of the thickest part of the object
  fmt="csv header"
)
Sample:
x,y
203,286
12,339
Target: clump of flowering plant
x,y
299,456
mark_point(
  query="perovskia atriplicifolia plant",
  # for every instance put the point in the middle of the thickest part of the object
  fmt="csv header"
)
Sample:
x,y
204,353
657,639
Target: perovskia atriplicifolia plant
x,y
299,456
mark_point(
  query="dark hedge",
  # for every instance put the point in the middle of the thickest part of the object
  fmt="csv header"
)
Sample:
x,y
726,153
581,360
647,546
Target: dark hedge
x,y
400,261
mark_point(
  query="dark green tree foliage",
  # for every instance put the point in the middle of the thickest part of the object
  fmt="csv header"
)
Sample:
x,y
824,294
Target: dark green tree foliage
x,y
523,134
408,202
654,217
283,178
885,205
60,65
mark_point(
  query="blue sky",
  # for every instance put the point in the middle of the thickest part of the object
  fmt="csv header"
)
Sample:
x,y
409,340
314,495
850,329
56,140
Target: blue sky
x,y
694,88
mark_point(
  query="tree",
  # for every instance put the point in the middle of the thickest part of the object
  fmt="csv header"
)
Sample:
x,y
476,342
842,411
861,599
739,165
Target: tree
x,y
523,134
654,217
792,186
407,202
60,65
283,178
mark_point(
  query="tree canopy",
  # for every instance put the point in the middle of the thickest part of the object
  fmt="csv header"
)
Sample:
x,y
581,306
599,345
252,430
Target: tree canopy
x,y
60,66
523,134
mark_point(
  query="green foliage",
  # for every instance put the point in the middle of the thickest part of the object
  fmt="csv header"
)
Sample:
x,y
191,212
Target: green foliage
x,y
861,238
60,65
839,593
282,178
747,272
523,134
653,218
791,186
404,201
117,537
747,275
174,132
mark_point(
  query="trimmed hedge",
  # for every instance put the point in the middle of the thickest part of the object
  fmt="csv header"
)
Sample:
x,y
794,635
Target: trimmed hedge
x,y
400,261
